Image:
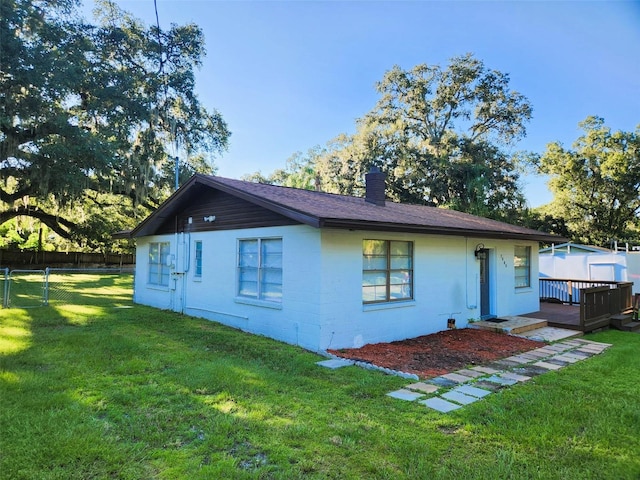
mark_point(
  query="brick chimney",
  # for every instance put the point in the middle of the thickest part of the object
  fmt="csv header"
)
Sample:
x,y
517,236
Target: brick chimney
x,y
375,186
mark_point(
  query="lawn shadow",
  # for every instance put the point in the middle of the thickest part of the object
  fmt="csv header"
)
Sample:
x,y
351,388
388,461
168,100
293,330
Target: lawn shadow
x,y
141,389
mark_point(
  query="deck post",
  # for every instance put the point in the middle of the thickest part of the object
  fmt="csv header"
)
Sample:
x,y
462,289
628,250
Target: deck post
x,y
570,291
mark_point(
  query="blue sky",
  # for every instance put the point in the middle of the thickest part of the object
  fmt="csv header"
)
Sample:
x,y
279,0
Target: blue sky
x,y
287,76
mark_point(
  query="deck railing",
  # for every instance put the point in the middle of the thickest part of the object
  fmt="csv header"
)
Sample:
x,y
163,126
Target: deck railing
x,y
568,291
595,307
598,300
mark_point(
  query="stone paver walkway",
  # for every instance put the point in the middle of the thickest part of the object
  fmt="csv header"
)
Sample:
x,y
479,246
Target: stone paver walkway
x,y
470,385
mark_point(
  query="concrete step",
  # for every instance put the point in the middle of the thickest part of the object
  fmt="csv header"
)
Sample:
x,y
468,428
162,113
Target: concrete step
x,y
550,334
512,324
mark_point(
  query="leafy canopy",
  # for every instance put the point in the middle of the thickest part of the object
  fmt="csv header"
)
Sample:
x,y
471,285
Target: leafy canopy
x,y
596,184
91,116
439,133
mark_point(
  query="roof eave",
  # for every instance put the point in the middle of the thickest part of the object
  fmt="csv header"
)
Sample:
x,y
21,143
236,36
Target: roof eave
x,y
408,228
275,207
121,235
171,206
165,210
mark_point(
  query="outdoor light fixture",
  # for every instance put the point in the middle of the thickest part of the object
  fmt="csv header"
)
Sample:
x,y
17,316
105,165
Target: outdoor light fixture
x,y
210,218
479,248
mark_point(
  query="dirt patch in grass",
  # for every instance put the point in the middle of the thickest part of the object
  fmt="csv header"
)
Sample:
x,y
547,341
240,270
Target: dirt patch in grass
x,y
443,352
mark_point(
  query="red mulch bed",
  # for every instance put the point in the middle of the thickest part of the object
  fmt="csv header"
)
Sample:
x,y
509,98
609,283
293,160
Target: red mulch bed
x,y
443,352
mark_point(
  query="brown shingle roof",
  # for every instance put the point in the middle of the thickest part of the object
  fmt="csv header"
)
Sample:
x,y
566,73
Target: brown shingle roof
x,y
320,210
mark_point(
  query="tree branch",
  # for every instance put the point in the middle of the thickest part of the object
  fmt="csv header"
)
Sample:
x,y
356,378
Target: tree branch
x,y
12,197
54,222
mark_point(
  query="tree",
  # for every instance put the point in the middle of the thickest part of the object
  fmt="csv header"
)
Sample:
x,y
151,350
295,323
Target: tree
x,y
439,134
89,113
543,219
299,171
596,184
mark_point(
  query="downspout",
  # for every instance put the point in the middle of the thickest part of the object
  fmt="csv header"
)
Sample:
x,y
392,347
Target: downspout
x,y
186,237
174,262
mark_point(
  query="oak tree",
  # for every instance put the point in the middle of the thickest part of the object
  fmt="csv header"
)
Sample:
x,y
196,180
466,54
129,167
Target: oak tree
x,y
440,134
92,115
596,183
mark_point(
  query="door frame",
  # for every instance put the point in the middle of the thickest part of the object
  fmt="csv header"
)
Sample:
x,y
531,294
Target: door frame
x,y
485,284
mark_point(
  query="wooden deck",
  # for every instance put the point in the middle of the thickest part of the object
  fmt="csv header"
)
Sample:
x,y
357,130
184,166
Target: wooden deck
x,y
558,315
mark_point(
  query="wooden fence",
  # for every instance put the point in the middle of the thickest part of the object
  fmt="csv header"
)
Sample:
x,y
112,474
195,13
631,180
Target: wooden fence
x,y
17,258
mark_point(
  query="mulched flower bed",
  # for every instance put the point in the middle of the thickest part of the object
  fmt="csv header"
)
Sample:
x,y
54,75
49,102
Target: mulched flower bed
x,y
439,353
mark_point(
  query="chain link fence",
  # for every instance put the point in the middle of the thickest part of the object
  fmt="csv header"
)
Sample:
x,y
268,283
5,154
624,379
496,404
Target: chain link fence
x,y
59,286
25,288
4,285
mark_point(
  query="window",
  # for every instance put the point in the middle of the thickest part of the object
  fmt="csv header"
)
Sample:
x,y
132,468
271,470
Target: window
x,y
522,266
387,271
198,259
260,269
158,263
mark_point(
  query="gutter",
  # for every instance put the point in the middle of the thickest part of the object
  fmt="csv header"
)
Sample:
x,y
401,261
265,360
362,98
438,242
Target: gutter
x,y
425,229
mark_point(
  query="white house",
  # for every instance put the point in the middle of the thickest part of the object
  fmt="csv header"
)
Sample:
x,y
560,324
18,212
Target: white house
x,y
323,271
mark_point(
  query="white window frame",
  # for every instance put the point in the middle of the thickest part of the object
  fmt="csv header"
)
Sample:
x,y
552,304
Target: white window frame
x,y
522,266
159,270
260,268
388,272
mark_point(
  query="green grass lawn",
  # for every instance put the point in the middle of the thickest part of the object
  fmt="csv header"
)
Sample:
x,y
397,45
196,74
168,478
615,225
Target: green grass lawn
x,y
96,391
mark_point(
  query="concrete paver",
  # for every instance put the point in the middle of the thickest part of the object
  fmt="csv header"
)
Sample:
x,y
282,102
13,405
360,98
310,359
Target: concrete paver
x,y
602,344
469,373
454,377
530,370
472,391
442,382
588,353
518,359
557,361
544,351
589,348
548,366
404,394
459,397
504,363
549,334
566,358
423,387
514,376
557,348
572,354
335,363
466,386
536,354
503,368
501,380
488,385
575,354
440,404
485,370
531,358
